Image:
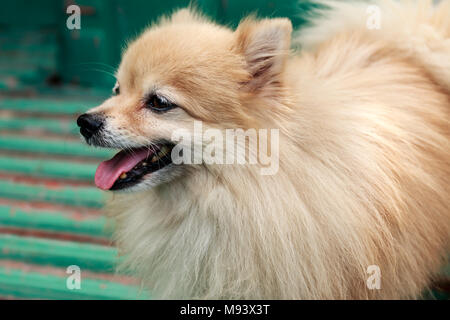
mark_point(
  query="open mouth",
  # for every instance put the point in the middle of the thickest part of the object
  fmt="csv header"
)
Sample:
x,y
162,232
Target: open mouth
x,y
128,167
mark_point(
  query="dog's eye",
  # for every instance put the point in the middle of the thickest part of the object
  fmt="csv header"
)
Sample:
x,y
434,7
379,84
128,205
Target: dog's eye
x,y
116,89
159,104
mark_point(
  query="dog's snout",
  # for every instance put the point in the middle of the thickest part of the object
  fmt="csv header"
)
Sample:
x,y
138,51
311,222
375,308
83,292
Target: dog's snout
x,y
89,124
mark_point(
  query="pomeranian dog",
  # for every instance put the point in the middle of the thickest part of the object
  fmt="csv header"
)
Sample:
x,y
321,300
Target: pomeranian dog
x,y
359,207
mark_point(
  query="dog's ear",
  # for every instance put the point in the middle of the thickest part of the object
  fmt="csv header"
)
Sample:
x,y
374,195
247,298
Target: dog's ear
x,y
265,46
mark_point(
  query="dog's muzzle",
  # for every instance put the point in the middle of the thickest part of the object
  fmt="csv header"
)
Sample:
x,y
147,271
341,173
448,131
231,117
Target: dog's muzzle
x,y
90,124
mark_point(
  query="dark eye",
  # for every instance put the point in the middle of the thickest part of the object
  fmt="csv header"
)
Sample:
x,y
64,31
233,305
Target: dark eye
x,y
116,89
159,104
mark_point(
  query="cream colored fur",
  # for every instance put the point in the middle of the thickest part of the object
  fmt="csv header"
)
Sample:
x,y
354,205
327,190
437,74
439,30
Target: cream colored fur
x,y
364,159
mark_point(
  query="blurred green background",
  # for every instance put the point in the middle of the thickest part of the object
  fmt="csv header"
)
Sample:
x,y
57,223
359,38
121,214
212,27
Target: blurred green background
x,y
76,56
50,211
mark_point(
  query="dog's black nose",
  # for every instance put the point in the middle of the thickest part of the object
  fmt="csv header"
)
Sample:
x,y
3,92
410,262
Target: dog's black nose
x,y
89,124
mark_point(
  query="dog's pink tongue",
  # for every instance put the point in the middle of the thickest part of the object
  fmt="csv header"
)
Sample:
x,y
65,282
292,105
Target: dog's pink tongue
x,y
108,171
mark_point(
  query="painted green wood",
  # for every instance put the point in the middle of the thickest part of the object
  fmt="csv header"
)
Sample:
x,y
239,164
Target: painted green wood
x,y
48,168
25,65
46,125
96,95
32,14
231,12
41,105
75,196
14,217
30,47
26,36
30,61
58,253
31,285
25,75
53,147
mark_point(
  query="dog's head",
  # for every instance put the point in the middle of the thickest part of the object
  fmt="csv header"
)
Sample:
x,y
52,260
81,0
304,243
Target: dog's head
x,y
185,68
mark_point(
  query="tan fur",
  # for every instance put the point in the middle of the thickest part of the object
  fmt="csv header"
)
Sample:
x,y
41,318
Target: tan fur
x,y
364,156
